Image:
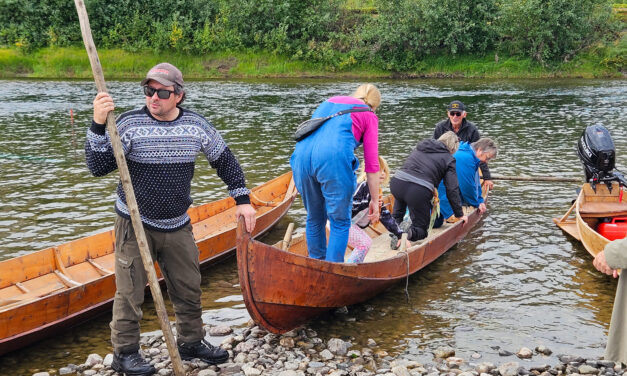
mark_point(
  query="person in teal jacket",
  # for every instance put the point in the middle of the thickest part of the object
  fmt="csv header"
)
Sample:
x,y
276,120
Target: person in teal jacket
x,y
467,158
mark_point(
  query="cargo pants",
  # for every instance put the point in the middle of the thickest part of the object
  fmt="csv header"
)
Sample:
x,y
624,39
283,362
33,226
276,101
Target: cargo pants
x,y
177,255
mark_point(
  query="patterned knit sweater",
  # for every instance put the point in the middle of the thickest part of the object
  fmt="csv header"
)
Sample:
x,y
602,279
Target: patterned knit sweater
x,y
161,157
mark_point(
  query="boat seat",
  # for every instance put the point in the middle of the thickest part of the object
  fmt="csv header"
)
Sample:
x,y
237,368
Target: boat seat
x,y
603,209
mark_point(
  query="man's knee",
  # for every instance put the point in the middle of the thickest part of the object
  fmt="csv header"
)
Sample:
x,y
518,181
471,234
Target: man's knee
x,y
416,233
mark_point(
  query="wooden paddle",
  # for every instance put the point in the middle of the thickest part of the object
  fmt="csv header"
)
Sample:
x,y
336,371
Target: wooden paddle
x,y
155,289
536,178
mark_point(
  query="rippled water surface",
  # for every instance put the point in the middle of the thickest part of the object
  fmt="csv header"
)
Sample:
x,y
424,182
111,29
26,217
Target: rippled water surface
x,y
516,280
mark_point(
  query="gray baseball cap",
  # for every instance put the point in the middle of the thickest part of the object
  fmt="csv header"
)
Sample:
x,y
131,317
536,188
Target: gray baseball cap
x,y
165,74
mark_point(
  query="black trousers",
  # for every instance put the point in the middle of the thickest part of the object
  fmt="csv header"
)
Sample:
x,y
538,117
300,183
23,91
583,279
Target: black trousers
x,y
418,199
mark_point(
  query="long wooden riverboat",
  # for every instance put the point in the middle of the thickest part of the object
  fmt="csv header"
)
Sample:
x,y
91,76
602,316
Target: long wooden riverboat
x,y
589,209
48,290
283,289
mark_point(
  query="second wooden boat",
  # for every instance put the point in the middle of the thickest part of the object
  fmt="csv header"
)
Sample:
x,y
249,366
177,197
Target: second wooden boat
x,y
48,290
589,209
283,289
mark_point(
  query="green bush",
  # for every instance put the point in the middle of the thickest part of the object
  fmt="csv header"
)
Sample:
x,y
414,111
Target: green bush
x,y
552,30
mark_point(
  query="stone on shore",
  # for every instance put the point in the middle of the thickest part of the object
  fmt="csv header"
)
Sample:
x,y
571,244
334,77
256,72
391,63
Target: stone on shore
x,y
509,369
326,354
337,346
220,330
93,359
543,350
587,370
400,371
524,353
444,352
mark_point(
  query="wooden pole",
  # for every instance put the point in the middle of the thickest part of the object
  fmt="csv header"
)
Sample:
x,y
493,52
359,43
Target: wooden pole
x,y
287,239
131,202
537,178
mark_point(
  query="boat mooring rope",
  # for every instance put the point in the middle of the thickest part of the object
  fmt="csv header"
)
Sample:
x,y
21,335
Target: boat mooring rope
x,y
407,278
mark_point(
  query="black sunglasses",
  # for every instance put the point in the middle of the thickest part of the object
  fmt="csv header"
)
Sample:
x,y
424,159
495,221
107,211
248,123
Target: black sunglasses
x,y
453,114
161,93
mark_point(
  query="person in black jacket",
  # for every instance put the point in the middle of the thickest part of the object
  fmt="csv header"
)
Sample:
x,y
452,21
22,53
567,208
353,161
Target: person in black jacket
x,y
465,131
413,185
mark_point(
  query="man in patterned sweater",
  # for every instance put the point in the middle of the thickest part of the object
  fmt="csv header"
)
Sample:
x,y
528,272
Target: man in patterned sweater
x,y
161,141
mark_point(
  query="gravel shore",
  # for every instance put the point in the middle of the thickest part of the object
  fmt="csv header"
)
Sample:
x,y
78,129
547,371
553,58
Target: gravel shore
x,y
254,352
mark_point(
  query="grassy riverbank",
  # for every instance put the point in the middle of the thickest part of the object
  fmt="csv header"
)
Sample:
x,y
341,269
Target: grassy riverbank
x,y
72,63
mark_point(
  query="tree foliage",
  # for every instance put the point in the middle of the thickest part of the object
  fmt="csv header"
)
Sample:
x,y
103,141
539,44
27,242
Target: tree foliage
x,y
549,30
397,35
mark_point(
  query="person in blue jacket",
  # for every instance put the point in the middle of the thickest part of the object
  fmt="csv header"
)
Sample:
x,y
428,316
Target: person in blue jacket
x,y
324,166
468,158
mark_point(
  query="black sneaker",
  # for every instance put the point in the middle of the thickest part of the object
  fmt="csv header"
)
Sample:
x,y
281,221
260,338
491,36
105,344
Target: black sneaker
x,y
204,351
132,364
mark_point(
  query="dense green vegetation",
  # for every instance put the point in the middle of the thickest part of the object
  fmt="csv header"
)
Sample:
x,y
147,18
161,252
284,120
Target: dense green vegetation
x,y
41,38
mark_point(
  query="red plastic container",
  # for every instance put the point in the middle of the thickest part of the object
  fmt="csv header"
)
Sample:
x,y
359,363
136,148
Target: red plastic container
x,y
615,229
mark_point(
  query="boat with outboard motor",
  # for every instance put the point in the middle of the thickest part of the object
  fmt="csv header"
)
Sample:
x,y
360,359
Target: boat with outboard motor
x,y
599,214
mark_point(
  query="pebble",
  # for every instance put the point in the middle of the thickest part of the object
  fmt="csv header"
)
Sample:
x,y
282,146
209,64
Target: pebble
x,y
586,369
221,330
93,359
337,346
444,352
543,350
509,369
524,353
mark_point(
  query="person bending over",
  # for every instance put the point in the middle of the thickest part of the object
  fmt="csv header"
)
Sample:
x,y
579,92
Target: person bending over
x,y
468,159
324,166
413,185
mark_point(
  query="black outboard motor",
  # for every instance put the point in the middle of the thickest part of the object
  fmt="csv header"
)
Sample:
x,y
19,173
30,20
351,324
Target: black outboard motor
x,y
597,153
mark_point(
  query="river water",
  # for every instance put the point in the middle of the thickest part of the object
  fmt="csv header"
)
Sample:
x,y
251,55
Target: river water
x,y
515,280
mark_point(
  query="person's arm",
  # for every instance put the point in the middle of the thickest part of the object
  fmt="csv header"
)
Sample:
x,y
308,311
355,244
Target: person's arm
x,y
616,253
389,223
439,131
366,127
485,172
452,189
361,198
613,257
373,186
230,171
469,187
98,150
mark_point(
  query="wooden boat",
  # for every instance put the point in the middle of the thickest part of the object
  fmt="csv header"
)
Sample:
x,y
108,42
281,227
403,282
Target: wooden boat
x,y
45,291
581,220
283,289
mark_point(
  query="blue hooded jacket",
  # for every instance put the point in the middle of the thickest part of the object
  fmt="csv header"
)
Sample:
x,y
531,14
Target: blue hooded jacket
x,y
467,164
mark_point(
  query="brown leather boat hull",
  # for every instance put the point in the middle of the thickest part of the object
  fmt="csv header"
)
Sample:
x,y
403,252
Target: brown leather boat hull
x,y
47,291
283,289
